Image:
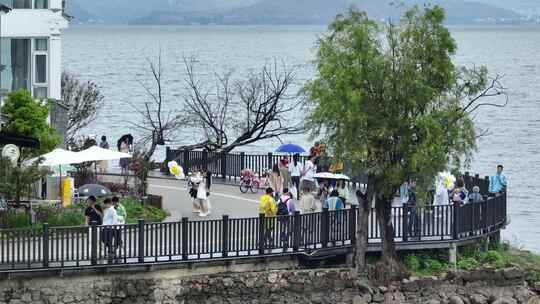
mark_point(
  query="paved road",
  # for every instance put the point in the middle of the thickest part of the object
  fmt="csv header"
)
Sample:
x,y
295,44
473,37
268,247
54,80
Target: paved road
x,y
224,199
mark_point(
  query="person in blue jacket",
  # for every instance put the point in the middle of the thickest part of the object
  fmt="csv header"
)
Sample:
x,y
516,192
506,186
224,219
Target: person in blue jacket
x,y
498,182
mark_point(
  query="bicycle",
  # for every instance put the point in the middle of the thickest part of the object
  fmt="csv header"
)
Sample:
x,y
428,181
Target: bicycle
x,y
249,182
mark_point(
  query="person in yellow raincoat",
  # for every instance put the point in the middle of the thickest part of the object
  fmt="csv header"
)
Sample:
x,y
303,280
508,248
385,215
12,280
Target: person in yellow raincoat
x,y
268,207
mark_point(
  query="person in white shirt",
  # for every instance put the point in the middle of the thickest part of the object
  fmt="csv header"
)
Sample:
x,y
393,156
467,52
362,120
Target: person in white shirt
x,y
308,175
295,169
110,219
200,200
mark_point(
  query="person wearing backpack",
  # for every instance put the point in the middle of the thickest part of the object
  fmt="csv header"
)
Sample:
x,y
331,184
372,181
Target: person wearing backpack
x,y
285,209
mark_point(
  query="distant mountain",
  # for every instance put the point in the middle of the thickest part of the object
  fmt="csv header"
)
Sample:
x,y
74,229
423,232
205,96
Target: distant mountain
x,y
322,12
524,7
121,11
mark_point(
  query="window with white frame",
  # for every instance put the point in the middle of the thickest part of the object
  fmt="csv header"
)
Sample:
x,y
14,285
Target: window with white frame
x,y
26,4
24,64
41,4
40,67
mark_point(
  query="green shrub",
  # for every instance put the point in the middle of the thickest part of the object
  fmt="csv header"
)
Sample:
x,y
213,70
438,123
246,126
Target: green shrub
x,y
135,211
434,266
468,263
494,258
413,263
18,220
66,218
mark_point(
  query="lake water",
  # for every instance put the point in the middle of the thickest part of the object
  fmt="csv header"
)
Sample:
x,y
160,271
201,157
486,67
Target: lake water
x,y
116,58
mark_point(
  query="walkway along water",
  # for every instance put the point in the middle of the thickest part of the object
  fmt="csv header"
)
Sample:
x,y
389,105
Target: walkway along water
x,y
308,235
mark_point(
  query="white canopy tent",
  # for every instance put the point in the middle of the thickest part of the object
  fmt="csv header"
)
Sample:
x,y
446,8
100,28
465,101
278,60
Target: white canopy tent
x,y
57,157
96,153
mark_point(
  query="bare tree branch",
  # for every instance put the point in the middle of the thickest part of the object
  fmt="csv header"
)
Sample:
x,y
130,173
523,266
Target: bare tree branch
x,y
83,100
244,111
157,125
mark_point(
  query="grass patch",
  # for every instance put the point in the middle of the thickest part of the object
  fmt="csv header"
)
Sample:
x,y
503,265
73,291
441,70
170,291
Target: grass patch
x,y
434,262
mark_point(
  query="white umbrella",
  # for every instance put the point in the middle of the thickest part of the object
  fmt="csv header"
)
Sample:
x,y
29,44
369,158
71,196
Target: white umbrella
x,y
325,175
342,177
96,153
57,157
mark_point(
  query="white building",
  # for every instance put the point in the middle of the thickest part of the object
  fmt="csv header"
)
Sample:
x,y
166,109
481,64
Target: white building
x,y
31,47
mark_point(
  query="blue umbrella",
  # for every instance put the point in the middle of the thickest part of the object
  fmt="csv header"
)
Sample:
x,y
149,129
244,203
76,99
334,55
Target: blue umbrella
x,y
290,148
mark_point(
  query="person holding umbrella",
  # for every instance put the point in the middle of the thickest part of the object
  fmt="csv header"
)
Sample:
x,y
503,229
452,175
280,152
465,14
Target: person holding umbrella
x,y
124,146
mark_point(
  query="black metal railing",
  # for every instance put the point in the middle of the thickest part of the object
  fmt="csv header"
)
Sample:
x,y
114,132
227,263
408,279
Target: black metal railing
x,y
47,247
230,165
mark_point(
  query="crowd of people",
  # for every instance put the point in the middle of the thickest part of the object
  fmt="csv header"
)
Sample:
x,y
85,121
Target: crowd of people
x,y
111,216
456,194
293,187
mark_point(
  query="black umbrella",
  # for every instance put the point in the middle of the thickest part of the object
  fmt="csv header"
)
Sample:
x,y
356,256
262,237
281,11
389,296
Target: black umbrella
x,y
94,190
125,137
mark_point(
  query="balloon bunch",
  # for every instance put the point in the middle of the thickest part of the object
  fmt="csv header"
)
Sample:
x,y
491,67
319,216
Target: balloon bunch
x,y
448,180
176,170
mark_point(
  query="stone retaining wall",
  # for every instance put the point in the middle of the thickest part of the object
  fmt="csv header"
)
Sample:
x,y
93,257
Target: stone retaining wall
x,y
303,286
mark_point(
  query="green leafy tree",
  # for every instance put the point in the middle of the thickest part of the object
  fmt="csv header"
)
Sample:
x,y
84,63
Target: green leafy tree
x,y
17,182
389,101
28,117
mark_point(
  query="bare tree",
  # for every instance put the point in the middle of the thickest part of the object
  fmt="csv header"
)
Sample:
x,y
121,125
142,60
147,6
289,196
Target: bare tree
x,y
83,100
157,123
232,114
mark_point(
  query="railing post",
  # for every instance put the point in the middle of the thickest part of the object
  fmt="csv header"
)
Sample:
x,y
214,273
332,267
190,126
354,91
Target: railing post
x,y
225,237
262,233
93,243
168,157
405,222
352,223
205,160
297,232
223,165
270,160
45,245
185,234
325,227
141,241
186,168
455,220
242,162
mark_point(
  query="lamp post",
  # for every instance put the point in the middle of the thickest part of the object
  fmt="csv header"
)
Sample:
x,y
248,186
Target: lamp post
x,y
4,9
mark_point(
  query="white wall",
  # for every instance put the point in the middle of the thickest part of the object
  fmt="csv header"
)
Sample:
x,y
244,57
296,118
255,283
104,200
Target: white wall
x,y
32,23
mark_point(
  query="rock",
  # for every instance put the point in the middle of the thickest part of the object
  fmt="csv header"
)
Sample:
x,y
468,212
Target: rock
x,y
378,298
505,300
273,277
536,287
433,301
534,300
359,300
478,299
512,273
363,287
455,300
383,289
522,294
228,282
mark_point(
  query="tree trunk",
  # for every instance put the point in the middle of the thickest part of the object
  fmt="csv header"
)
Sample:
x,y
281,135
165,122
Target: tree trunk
x,y
383,206
389,268
364,209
